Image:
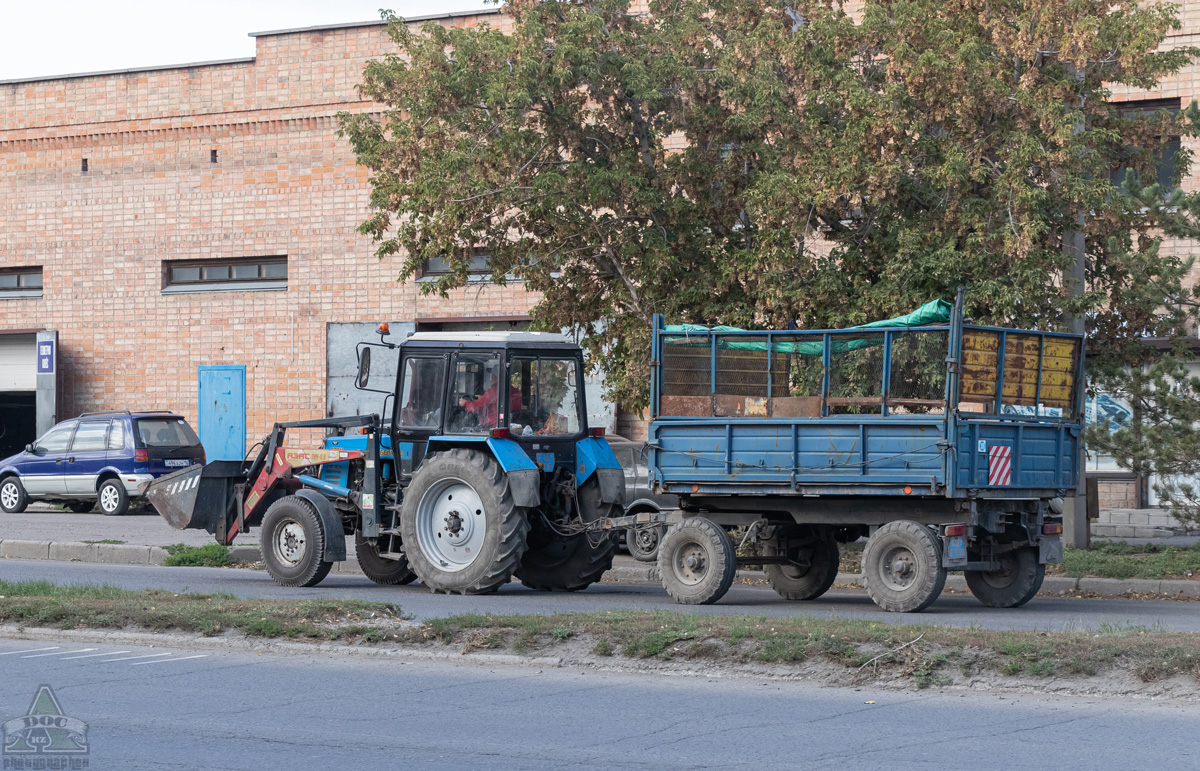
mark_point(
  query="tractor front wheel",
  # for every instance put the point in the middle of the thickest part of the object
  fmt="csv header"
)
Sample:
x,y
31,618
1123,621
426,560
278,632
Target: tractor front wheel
x,y
385,571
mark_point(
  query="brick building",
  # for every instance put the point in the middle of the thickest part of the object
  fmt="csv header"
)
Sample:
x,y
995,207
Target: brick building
x,y
158,221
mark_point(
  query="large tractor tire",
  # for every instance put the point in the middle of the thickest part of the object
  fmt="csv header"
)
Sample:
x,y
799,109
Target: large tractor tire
x,y
902,567
462,532
384,571
814,571
555,563
293,543
1013,584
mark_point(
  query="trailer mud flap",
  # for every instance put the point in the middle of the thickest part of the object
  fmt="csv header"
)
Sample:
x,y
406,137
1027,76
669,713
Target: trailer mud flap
x,y
1050,551
335,536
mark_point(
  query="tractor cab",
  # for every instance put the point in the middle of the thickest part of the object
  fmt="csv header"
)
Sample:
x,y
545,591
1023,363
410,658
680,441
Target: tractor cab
x,y
526,387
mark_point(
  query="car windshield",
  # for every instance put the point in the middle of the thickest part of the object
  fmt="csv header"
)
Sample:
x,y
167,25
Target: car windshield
x,y
166,432
544,397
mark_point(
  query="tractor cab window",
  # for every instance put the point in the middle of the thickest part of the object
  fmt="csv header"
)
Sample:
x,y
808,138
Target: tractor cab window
x,y
475,406
548,391
421,393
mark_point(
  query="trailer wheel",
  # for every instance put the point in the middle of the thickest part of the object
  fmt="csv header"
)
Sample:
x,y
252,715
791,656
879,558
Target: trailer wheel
x,y
382,570
293,543
697,562
461,530
555,563
800,582
1015,583
902,567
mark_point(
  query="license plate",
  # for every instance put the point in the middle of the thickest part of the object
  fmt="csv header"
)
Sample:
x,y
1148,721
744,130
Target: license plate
x,y
956,547
175,462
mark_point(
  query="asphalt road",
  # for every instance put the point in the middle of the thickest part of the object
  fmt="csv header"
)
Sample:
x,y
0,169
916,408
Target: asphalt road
x,y
1043,613
203,709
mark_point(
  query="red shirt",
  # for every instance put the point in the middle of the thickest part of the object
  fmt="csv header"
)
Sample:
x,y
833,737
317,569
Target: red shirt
x,y
486,405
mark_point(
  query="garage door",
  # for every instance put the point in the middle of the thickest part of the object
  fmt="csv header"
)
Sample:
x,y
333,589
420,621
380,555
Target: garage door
x,y
18,362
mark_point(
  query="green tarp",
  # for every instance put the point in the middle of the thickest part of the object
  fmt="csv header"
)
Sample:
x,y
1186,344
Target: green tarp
x,y
932,312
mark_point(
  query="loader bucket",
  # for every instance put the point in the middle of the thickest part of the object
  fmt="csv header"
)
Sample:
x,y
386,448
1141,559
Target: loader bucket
x,y
199,497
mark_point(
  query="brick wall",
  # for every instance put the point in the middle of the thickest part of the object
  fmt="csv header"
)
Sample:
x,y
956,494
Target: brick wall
x,y
283,184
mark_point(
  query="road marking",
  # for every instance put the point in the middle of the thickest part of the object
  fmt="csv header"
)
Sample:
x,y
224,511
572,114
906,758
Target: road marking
x,y
168,661
131,658
31,650
60,653
94,655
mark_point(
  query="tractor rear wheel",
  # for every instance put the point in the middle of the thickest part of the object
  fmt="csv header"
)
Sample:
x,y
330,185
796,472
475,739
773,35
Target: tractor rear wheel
x,y
385,571
462,532
557,563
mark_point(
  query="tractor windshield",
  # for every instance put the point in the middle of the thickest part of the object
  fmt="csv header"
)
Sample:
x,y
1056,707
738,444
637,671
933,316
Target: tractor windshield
x,y
544,397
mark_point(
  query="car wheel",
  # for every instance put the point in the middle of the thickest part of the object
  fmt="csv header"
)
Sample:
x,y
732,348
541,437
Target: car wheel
x,y
114,501
13,498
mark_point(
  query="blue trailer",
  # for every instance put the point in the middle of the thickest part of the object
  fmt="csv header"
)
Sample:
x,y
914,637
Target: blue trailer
x,y
949,445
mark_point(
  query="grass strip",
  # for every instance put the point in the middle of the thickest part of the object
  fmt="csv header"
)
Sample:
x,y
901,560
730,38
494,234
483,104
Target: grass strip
x,y
926,653
44,604
210,555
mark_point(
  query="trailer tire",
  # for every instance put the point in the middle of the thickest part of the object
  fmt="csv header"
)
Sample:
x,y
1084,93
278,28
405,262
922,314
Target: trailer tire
x,y
571,564
484,531
381,570
1014,584
902,567
697,562
293,543
795,583
80,507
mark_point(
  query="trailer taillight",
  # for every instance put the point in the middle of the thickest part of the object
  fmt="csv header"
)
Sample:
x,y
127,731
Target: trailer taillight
x,y
1055,529
142,456
500,433
952,530
598,432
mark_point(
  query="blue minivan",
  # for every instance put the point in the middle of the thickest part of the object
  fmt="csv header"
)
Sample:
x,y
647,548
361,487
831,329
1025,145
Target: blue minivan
x,y
99,457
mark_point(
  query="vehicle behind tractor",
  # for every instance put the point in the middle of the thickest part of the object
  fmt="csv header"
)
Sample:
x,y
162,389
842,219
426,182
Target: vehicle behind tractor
x,y
484,469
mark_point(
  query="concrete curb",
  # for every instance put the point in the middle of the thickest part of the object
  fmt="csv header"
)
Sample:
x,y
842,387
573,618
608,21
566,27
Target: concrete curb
x,y
244,556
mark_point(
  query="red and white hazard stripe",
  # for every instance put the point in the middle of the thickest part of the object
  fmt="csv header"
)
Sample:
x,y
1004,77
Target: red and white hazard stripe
x,y
999,465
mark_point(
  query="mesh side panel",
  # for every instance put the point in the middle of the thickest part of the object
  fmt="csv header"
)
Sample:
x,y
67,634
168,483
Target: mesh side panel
x,y
742,371
918,373
687,367
856,374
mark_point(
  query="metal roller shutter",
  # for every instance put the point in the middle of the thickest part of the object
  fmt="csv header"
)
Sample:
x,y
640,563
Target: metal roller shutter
x,y
18,362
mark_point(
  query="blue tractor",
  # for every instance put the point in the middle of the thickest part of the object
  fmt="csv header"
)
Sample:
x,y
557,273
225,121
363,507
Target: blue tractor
x,y
483,469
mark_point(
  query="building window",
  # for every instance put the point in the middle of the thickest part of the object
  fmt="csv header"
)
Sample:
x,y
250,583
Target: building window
x,y
478,265
1164,160
20,282
241,274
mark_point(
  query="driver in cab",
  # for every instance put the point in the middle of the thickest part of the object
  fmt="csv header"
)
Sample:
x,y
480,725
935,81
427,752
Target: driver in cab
x,y
486,406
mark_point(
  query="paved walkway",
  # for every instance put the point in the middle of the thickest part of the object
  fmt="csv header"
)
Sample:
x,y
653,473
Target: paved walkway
x,y
42,522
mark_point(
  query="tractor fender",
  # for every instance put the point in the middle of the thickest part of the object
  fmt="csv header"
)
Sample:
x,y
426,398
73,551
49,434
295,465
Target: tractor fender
x,y
524,477
594,456
335,535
